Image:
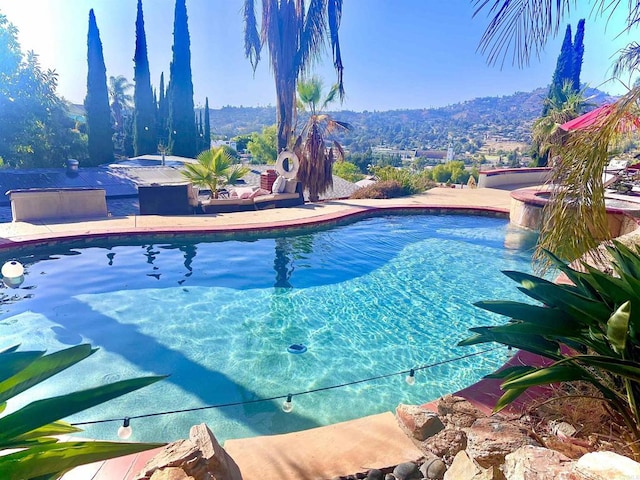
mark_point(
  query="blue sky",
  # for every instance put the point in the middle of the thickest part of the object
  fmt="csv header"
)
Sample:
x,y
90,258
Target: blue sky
x,y
397,53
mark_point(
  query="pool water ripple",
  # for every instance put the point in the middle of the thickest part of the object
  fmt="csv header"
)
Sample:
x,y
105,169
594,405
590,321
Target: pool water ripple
x,y
375,297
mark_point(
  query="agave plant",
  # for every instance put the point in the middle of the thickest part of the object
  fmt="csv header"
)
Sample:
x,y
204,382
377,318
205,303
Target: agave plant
x,y
597,320
214,169
29,447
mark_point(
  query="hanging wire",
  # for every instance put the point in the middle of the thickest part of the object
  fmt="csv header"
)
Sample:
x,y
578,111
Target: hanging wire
x,y
279,397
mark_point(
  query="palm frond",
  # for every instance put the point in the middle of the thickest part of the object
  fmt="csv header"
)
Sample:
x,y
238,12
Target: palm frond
x,y
628,61
334,13
575,216
252,43
314,25
309,93
519,28
331,96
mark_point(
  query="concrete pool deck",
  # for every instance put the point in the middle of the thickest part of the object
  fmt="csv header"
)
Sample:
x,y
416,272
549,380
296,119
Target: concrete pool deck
x,y
24,233
322,453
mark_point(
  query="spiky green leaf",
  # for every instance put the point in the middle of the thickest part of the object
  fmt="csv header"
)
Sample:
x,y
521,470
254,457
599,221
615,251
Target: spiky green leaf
x,y
42,412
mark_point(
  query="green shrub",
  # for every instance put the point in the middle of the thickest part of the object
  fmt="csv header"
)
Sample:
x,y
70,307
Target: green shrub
x,y
411,182
349,171
386,189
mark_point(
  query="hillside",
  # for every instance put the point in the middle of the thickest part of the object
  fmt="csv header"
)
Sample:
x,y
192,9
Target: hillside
x,y
467,123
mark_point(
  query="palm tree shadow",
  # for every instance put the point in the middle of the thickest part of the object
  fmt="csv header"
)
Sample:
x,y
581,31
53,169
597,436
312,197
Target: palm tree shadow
x,y
147,353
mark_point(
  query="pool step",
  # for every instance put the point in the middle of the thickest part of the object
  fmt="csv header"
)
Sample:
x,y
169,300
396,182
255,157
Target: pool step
x,y
325,452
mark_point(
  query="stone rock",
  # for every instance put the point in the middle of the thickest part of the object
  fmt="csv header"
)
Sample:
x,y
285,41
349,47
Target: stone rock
x,y
171,473
490,439
375,474
536,463
605,466
458,412
200,456
462,468
406,471
445,444
389,476
433,468
562,429
418,422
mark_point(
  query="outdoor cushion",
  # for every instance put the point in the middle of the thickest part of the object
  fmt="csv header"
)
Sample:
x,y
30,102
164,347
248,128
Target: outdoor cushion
x,y
242,192
278,185
259,192
275,196
290,186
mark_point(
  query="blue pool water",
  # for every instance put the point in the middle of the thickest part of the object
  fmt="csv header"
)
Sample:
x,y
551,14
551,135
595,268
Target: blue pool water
x,y
374,297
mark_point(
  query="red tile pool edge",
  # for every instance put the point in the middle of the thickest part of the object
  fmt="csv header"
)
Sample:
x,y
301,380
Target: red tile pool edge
x,y
354,214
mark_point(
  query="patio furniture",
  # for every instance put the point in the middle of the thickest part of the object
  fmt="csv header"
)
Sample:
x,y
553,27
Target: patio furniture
x,y
289,198
37,204
174,199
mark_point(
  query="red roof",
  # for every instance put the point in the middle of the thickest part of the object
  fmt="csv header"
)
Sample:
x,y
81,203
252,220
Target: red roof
x,y
630,122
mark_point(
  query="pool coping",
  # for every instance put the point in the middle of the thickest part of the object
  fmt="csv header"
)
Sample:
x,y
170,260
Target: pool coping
x,y
76,232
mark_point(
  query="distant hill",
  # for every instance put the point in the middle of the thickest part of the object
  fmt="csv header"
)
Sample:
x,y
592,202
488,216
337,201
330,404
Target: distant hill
x,y
508,118
467,123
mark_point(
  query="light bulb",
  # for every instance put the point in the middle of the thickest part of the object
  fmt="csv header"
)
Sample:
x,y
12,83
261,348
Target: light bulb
x,y
411,378
12,274
125,431
287,406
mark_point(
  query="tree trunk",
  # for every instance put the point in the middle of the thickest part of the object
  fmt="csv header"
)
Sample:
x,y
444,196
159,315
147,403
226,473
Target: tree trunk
x,y
285,109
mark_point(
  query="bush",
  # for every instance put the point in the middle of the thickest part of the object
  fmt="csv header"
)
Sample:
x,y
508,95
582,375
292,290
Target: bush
x,y
410,182
386,189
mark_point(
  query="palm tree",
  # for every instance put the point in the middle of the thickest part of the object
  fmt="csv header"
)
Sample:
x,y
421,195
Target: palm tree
x,y
121,101
121,104
544,133
214,169
316,161
575,215
294,31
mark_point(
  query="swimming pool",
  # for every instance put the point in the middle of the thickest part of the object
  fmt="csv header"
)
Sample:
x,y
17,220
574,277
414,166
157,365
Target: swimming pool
x,y
378,296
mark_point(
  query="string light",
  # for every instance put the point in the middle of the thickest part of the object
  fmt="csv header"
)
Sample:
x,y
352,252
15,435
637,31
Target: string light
x,y
411,378
125,431
287,405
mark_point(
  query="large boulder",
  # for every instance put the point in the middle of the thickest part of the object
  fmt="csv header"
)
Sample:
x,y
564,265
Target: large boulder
x,y
536,463
445,444
490,439
418,422
464,468
200,457
171,473
458,412
605,466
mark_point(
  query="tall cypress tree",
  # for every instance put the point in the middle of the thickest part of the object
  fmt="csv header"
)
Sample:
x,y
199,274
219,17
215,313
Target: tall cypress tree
x,y
96,103
207,125
144,124
563,72
200,132
182,125
578,54
162,115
